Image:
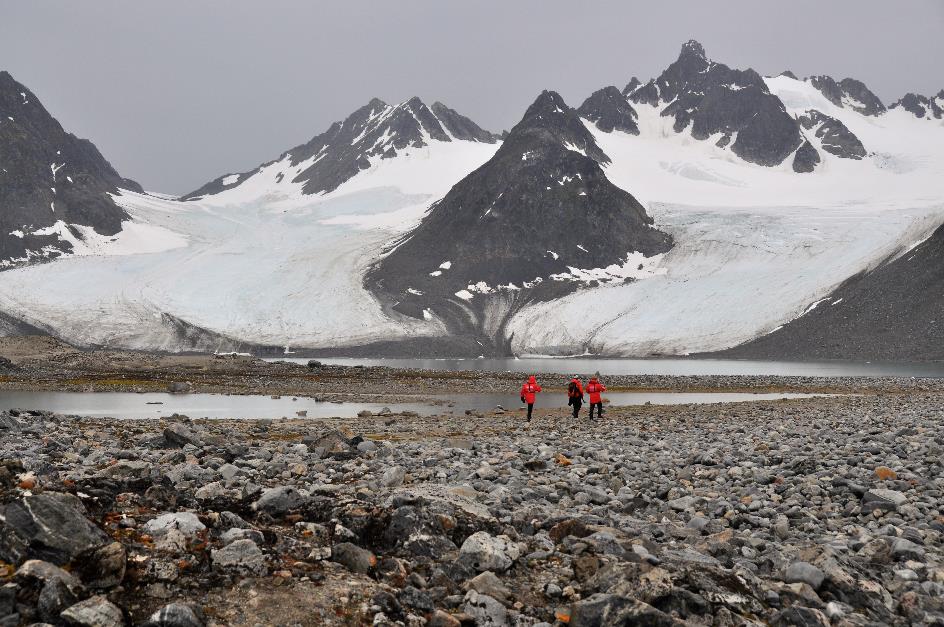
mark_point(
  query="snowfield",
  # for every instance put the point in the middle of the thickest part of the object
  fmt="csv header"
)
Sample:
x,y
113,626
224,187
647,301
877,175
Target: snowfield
x,y
263,263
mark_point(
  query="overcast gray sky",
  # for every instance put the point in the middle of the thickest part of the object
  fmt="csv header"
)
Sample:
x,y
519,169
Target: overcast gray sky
x,y
176,92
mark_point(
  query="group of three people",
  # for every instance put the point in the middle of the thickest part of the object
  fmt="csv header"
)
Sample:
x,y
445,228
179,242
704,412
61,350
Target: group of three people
x,y
575,394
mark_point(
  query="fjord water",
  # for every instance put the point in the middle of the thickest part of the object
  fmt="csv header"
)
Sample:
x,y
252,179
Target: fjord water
x,y
671,367
156,405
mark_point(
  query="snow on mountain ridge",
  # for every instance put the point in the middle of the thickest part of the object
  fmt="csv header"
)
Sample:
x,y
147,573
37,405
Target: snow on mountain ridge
x,y
376,130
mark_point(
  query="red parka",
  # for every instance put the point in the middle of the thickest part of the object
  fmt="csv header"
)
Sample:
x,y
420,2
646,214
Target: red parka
x,y
529,389
594,388
578,391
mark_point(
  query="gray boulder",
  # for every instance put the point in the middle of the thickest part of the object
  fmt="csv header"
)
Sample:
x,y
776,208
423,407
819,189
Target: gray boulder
x,y
353,557
242,556
94,612
486,611
50,526
280,500
482,551
186,523
803,572
174,615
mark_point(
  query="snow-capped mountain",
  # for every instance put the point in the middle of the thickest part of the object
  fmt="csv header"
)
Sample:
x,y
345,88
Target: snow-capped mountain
x,y
534,222
692,213
921,106
54,187
375,132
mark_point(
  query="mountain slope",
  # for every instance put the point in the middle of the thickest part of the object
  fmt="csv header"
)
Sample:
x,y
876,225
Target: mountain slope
x,y
895,312
54,187
376,131
535,221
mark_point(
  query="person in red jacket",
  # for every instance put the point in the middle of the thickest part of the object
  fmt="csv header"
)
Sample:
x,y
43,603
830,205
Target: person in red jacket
x,y
575,395
594,389
528,392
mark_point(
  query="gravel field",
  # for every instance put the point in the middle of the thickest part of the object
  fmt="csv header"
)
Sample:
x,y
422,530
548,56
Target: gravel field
x,y
824,511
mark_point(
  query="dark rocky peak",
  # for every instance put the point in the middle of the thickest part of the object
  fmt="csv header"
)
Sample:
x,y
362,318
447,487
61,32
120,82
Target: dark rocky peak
x,y
512,230
850,93
806,158
49,176
691,49
861,97
376,130
922,106
550,118
835,137
789,74
711,98
631,86
647,94
609,110
461,127
828,87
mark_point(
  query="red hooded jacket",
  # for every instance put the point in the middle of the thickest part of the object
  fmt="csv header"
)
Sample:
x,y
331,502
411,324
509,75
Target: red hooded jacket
x,y
578,392
529,389
594,388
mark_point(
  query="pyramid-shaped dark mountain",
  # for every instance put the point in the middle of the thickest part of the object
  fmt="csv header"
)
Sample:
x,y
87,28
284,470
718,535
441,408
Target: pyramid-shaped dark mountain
x,y
48,176
713,98
539,208
610,111
835,137
375,130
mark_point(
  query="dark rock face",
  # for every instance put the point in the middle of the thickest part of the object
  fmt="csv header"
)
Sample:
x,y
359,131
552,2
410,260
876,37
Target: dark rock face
x,y
631,86
375,130
836,138
806,158
540,205
48,526
48,175
892,313
922,106
713,98
610,111
849,93
645,94
789,74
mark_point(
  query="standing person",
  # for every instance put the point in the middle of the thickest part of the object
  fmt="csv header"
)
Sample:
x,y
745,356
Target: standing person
x,y
575,394
528,392
594,389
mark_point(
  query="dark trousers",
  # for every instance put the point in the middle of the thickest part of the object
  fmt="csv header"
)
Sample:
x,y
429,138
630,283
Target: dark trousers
x,y
530,409
577,404
599,407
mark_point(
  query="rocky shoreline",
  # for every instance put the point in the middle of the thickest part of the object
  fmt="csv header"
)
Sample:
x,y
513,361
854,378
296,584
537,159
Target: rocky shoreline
x,y
823,511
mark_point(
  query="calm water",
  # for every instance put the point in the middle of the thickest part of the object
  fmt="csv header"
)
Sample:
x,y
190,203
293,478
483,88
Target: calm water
x,y
679,367
130,405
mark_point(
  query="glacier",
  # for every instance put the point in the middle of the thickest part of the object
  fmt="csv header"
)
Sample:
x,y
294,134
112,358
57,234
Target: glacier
x,y
266,264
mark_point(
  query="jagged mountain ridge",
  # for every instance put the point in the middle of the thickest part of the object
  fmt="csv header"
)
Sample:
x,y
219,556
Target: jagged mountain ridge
x,y
737,110
520,227
850,93
375,131
922,106
54,187
279,266
715,99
